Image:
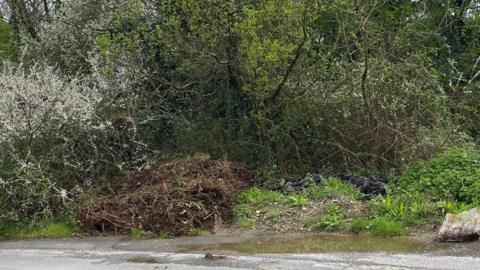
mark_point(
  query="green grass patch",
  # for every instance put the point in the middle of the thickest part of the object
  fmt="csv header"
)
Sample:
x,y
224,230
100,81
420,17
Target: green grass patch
x,y
269,203
52,230
256,197
379,226
164,235
359,225
138,233
197,232
246,224
46,229
331,220
334,188
385,227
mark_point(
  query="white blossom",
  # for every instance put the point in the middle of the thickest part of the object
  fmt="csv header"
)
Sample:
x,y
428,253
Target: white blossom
x,y
38,100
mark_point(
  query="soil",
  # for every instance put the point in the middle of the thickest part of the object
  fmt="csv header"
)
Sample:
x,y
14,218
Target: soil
x,y
281,218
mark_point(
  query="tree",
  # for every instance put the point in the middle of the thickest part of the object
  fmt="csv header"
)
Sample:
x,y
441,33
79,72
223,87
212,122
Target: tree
x,y
8,47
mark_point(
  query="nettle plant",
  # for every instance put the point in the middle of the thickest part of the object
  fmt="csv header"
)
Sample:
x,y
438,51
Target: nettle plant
x,y
39,110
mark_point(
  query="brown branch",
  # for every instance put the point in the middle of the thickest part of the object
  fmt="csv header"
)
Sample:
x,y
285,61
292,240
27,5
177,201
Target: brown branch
x,y
298,53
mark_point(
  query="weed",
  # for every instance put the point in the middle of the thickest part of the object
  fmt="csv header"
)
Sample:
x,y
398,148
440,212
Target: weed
x,y
331,220
242,211
197,232
256,197
164,235
409,209
273,212
246,224
382,226
359,225
379,226
297,200
333,188
454,207
138,233
51,229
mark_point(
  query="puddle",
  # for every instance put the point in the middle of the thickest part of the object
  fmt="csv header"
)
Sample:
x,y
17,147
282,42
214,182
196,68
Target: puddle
x,y
322,244
143,260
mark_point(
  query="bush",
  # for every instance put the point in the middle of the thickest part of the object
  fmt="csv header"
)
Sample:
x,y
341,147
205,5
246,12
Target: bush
x,y
29,196
408,209
40,111
451,176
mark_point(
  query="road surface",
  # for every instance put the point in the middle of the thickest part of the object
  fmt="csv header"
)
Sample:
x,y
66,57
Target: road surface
x,y
117,253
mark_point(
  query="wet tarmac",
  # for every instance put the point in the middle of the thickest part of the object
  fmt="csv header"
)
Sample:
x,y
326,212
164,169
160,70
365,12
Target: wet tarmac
x,y
243,251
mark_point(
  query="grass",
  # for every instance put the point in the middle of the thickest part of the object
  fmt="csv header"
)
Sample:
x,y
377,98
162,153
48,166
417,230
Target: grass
x,y
386,216
246,224
271,203
164,235
46,229
334,188
359,225
331,220
257,197
384,227
379,226
138,233
197,232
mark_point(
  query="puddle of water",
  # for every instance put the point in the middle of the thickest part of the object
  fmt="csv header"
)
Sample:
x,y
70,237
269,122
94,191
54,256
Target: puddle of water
x,y
322,244
143,260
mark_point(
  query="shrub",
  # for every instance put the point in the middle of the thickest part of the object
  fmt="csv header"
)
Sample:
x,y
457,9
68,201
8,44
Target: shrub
x,y
29,196
452,175
8,228
38,101
39,112
408,209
